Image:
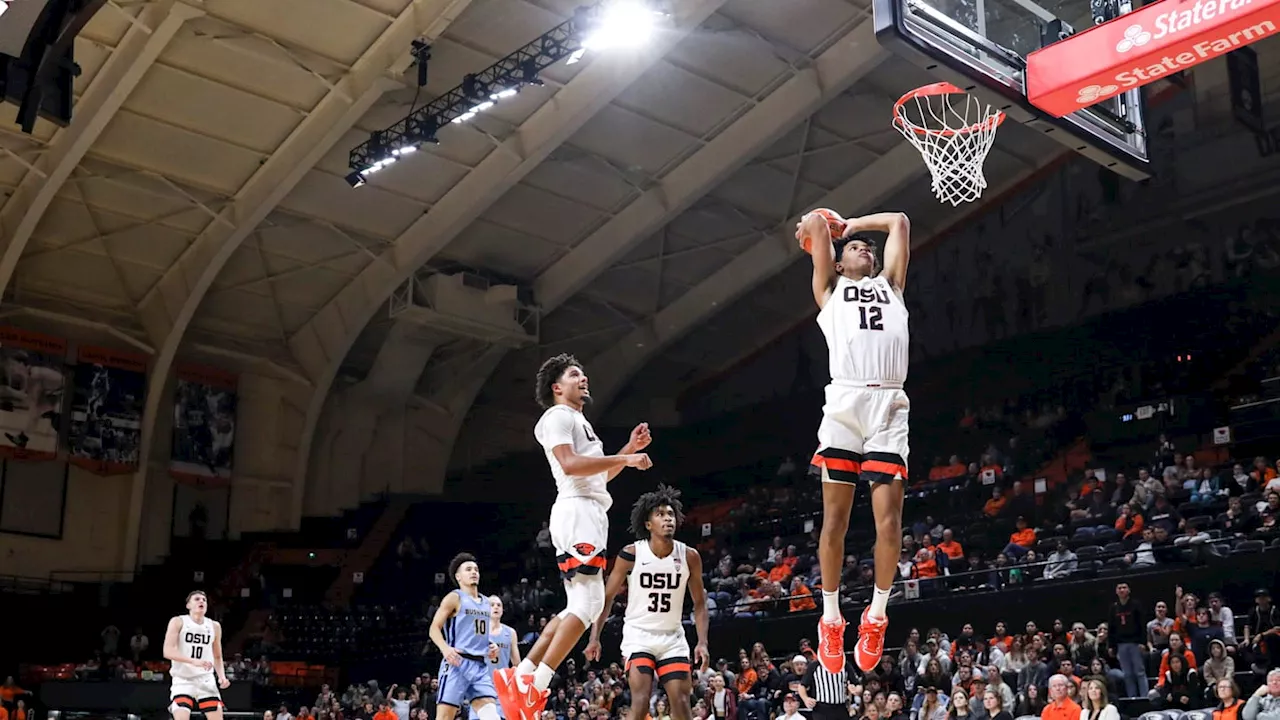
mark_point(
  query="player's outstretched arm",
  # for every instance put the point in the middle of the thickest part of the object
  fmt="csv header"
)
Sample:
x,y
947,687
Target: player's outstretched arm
x,y
813,228
448,608
621,568
639,440
701,616
897,249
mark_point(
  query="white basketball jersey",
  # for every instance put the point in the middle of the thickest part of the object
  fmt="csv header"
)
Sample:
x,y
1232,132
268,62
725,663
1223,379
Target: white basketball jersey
x,y
196,642
655,589
865,322
562,425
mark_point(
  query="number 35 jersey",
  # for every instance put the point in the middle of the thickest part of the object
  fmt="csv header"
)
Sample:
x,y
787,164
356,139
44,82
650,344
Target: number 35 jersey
x,y
865,322
655,590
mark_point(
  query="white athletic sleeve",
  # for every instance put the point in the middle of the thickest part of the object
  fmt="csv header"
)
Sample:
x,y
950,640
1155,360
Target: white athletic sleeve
x,y
555,429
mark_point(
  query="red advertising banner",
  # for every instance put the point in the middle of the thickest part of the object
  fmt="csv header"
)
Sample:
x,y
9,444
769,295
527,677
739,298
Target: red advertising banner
x,y
105,435
33,366
1141,47
204,425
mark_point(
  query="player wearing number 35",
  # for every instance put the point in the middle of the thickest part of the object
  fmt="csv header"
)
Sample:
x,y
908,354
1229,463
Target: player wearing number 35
x,y
863,434
659,569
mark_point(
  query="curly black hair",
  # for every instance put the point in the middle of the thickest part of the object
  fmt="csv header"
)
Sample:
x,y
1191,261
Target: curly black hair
x,y
456,562
650,501
839,244
549,374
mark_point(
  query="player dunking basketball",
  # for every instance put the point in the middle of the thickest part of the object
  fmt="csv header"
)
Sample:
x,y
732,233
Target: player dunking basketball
x,y
863,434
659,569
193,646
579,526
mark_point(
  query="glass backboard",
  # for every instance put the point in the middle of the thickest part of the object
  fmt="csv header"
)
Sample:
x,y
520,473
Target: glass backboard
x,y
982,46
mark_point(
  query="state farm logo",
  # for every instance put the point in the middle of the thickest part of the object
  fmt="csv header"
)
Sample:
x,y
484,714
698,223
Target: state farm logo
x,y
1134,36
1091,94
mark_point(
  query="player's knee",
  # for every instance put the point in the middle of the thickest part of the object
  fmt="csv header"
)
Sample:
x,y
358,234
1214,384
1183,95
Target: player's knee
x,y
586,598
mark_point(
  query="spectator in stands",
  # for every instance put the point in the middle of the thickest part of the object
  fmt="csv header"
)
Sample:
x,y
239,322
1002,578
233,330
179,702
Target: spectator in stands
x,y
284,714
1093,701
1032,702
1021,540
995,505
993,705
1262,632
1127,628
1060,706
1229,703
1265,703
1218,666
934,705
960,705
1062,562
1222,616
1179,686
1159,627
790,709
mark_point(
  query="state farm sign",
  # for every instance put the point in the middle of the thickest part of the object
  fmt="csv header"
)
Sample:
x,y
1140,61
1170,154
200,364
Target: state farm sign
x,y
1141,47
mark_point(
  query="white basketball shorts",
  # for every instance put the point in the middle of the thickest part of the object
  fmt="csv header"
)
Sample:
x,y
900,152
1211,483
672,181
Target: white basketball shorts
x,y
195,694
863,434
665,654
579,531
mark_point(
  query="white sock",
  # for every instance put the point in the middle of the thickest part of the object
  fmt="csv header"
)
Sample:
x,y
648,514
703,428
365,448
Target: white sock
x,y
542,676
488,712
525,668
879,602
831,606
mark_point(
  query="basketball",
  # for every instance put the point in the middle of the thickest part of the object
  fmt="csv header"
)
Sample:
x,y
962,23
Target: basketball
x,y
835,224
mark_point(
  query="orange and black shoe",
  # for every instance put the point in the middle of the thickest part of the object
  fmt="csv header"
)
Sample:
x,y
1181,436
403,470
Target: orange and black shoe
x,y
831,644
870,645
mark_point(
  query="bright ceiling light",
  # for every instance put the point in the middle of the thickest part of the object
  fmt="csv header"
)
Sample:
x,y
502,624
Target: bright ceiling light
x,y
622,24
508,92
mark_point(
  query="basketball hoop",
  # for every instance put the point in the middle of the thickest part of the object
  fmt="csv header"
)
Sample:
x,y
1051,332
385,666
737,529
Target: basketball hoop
x,y
953,131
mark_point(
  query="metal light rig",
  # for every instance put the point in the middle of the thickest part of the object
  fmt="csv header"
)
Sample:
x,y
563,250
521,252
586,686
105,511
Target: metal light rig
x,y
477,92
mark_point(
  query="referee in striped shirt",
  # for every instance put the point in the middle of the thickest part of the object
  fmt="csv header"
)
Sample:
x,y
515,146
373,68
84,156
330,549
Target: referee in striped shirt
x,y
826,694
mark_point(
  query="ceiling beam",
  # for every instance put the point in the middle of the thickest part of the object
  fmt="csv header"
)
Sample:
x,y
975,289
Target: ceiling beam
x,y
850,58
867,190
322,343
167,309
153,30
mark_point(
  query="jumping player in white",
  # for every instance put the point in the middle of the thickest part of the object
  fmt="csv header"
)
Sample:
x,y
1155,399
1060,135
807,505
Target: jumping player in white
x,y
464,674
579,526
653,641
863,434
193,645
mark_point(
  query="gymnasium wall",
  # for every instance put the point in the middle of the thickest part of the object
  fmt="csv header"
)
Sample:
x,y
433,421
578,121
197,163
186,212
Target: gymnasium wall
x,y
73,519
95,520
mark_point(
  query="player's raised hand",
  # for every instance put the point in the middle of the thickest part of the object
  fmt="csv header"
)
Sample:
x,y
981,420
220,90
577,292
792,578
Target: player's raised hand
x,y
639,461
592,652
452,657
812,225
640,437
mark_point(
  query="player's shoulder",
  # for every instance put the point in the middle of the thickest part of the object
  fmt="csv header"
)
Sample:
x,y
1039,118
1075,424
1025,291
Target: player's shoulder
x,y
556,413
628,551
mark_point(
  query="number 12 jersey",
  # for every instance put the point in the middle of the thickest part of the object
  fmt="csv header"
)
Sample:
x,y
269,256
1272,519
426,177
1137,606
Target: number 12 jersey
x,y
865,322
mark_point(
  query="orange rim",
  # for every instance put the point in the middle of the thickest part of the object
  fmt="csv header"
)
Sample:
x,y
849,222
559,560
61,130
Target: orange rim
x,y
940,88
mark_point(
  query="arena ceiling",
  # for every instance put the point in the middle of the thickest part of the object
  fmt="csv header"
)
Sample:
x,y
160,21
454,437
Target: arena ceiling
x,y
197,205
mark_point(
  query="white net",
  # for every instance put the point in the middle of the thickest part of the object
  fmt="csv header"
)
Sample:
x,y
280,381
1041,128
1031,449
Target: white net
x,y
953,132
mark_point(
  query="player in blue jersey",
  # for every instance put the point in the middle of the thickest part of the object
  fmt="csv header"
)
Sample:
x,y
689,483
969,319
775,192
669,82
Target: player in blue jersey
x,y
460,630
507,653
